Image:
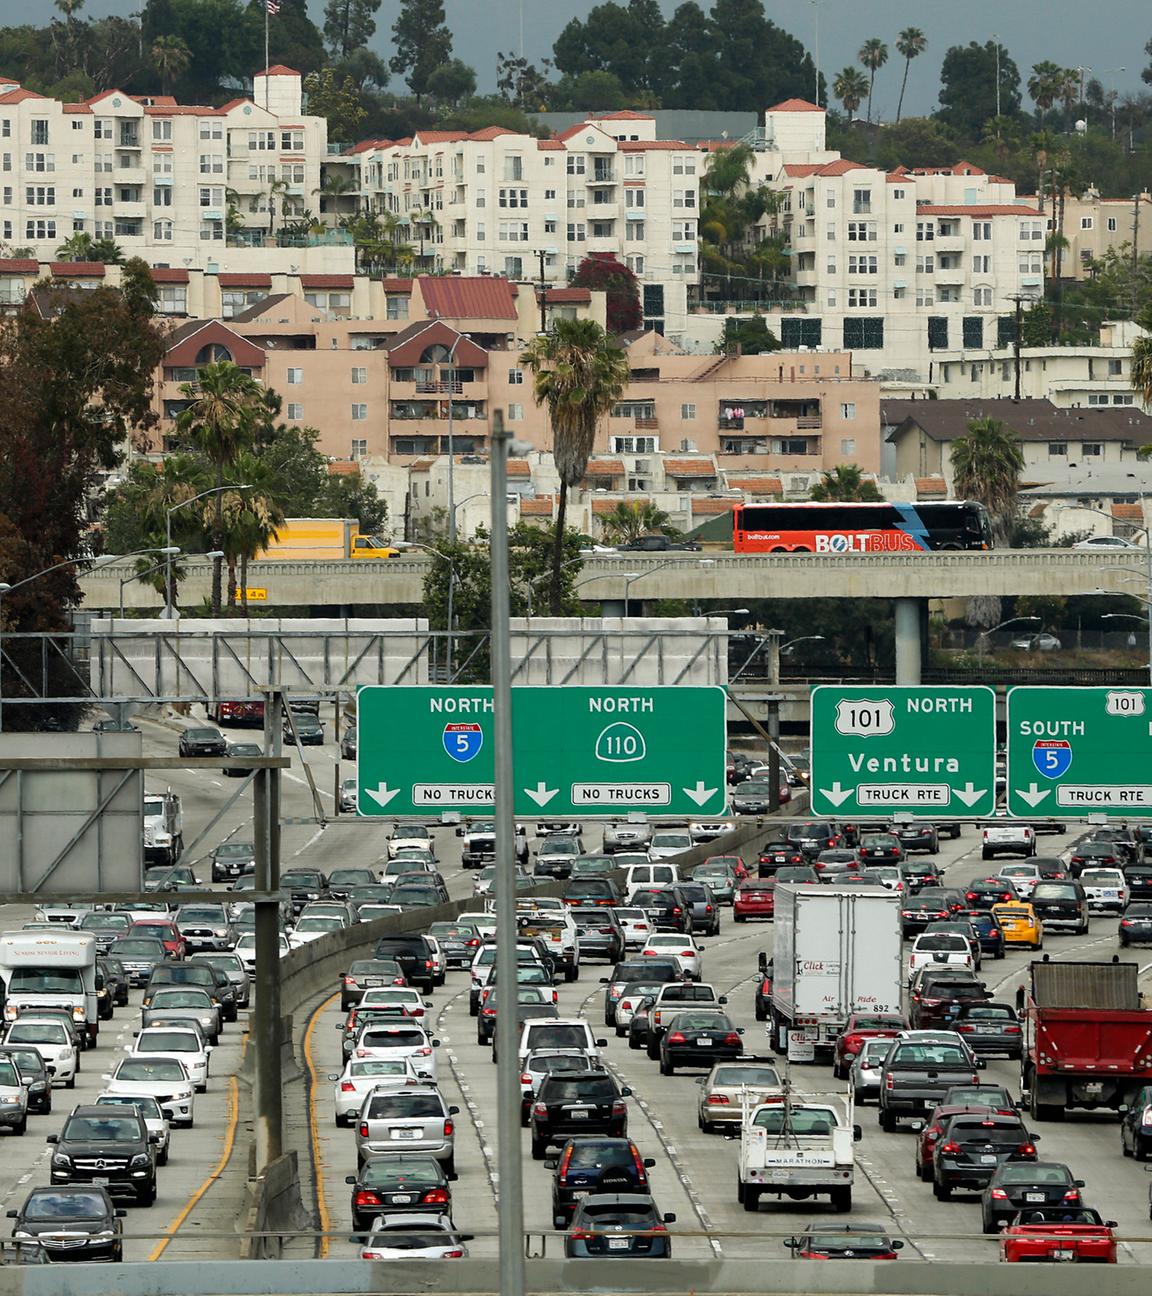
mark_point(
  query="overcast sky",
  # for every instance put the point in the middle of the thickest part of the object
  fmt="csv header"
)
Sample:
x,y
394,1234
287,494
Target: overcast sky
x,y
1107,35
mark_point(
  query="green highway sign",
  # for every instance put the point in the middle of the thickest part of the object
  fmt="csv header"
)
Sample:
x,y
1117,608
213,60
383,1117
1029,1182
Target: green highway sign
x,y
578,752
927,752
1079,751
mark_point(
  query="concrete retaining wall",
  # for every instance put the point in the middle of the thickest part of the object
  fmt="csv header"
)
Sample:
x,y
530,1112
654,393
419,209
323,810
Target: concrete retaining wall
x,y
274,1208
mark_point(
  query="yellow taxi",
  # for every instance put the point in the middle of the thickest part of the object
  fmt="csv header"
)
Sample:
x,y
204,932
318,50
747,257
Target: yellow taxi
x,y
1019,924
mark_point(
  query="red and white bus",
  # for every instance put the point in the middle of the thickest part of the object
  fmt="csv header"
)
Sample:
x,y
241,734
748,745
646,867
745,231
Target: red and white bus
x,y
832,528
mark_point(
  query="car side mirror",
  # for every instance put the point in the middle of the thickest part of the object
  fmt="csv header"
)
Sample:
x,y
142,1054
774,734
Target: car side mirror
x,y
435,1043
601,1043
649,1163
897,1244
127,1048
1033,1138
701,1079
605,980
791,1243
981,1064
153,1138
1078,1183
723,999
669,1217
1002,1224
349,1179
739,1030
106,1076
857,1133
917,1126
1111,1224
551,1163
453,1111
52,1138
625,1093
333,1077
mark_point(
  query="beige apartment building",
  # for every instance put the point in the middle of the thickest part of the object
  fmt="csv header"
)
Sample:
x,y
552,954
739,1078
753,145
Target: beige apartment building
x,y
494,202
1094,225
154,175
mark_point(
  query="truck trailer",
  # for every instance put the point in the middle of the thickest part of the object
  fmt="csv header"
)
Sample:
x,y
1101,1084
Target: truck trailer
x,y
323,539
50,969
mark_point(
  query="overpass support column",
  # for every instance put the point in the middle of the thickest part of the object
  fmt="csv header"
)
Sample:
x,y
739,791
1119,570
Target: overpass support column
x,y
911,615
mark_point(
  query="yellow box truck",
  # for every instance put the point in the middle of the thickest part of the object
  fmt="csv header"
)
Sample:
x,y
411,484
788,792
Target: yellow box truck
x,y
324,539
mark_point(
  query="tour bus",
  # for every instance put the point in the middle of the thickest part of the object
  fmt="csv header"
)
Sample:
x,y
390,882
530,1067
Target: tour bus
x,y
882,527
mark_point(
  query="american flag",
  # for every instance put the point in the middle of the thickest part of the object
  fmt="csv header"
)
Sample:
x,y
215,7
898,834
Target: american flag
x,y
272,6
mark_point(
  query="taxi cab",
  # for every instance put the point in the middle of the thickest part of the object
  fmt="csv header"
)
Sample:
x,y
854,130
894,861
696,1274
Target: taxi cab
x,y
1019,924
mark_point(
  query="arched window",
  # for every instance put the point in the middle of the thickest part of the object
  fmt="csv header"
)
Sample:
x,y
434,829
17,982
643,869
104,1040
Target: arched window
x,y
213,353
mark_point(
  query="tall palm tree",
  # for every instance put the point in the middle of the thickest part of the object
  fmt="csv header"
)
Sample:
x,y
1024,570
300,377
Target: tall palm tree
x,y
251,519
850,87
1141,377
873,55
631,519
1044,86
845,483
335,186
986,466
170,57
225,403
276,188
180,478
580,373
911,43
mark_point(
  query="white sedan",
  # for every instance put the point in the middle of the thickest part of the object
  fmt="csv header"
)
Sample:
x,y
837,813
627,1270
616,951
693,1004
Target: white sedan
x,y
53,1041
154,1119
414,1236
637,928
162,1078
183,1043
245,949
947,949
1023,877
311,927
675,945
404,1000
404,1039
362,1076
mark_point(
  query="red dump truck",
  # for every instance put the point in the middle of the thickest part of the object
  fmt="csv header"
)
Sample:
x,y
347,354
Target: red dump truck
x,y
1087,1037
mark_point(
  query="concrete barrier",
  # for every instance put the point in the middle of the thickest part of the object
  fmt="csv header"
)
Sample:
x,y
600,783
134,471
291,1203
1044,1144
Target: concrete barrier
x,y
274,1209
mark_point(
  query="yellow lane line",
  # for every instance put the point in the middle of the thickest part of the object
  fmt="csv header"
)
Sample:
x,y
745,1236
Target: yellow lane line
x,y
314,1129
218,1170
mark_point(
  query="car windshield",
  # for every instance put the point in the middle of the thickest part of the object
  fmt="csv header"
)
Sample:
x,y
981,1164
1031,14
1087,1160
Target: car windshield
x,y
415,1173
46,981
1032,1173
65,1205
375,1067
145,1104
181,999
875,1023
96,1129
918,1057
141,949
801,1121
592,1154
151,1069
405,1106
392,1039
987,1132
874,1050
205,915
557,1036
628,1217
1061,1215
235,850
38,1033
1054,891
990,1012
680,840
701,1021
945,942
319,923
104,922
746,1075
586,1089
153,1041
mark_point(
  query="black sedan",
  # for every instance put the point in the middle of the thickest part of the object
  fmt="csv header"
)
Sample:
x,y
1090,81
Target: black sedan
x,y
919,837
988,931
396,1182
990,1028
881,848
844,1242
986,892
1018,1186
620,1225
71,1222
918,911
595,1165
203,742
241,749
306,728
699,1039
777,854
1136,924
919,874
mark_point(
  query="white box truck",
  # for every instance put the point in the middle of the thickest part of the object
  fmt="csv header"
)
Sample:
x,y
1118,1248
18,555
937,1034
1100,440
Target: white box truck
x,y
50,969
797,1147
836,951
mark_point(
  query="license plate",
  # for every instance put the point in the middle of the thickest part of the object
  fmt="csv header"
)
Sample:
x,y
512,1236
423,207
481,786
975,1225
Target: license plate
x,y
401,1199
101,1183
987,1160
1063,1254
1034,1197
578,1115
406,1134
704,1041
985,1030
619,1244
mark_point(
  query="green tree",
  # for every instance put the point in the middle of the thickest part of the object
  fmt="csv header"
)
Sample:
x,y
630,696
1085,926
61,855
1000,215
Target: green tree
x,y
968,86
352,495
522,83
631,519
850,86
252,518
423,42
607,275
844,484
1045,86
580,373
452,81
1036,325
596,91
349,25
916,142
338,103
986,466
170,58
750,334
83,247
1141,375
910,44
221,36
219,421
872,56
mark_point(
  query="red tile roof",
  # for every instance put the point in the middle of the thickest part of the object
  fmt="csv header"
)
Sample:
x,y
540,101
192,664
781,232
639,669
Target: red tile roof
x,y
19,95
640,146
701,507
957,169
245,279
795,105
689,468
181,110
519,468
440,137
604,468
610,505
1128,512
326,280
624,114
19,265
365,145
453,297
343,468
929,486
396,285
756,485
988,209
573,296
75,109
490,133
542,506
78,269
278,69
549,145
169,274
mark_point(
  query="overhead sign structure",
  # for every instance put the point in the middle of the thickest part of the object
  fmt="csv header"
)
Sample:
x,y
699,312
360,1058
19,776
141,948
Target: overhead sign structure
x,y
1079,751
578,752
926,752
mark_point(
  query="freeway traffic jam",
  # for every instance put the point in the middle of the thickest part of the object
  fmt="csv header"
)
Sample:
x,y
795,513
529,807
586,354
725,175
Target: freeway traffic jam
x,y
841,1038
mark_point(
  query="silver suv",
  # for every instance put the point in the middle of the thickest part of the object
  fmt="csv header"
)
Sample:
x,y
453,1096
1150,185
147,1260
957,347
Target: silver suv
x,y
408,1120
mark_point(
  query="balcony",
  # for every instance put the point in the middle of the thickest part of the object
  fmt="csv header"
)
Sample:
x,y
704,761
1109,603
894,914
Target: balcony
x,y
950,243
602,176
950,274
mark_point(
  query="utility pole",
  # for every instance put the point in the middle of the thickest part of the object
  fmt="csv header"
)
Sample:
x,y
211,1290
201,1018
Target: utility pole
x,y
543,293
266,1016
1135,255
1019,299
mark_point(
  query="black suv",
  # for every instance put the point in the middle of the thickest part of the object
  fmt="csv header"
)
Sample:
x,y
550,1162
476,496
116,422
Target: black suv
x,y
86,1214
414,955
599,933
203,742
1061,906
668,909
595,1165
918,911
812,838
972,1146
589,1102
937,996
304,885
110,1145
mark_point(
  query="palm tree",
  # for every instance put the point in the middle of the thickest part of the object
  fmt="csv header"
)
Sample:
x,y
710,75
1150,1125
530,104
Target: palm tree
x,y
873,55
631,519
845,483
224,405
986,466
850,87
1141,377
275,188
251,519
170,57
580,373
1044,86
335,186
911,43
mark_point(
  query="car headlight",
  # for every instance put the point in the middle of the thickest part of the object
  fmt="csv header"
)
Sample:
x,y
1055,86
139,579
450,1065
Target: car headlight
x,y
9,1102
219,931
185,1095
61,1161
63,1055
141,1159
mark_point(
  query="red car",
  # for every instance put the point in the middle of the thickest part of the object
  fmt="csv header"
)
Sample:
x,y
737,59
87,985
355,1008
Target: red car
x,y
754,898
1056,1233
163,930
858,1028
734,862
932,1129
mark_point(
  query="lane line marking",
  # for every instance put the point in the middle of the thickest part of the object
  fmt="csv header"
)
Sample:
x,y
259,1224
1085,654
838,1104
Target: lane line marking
x,y
324,1218
218,1170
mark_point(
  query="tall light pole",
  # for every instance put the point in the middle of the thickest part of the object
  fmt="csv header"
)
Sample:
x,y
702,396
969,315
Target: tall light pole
x,y
980,638
170,608
451,367
649,571
571,562
148,571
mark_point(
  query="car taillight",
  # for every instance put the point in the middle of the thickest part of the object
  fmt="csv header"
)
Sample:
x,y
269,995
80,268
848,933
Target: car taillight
x,y
453,1255
581,1235
950,1149
349,981
675,910
449,1128
850,1043
677,1037
363,1129
424,1052
474,942
1027,1149
427,963
1011,1030
888,1082
1073,1194
1125,922
488,1012
346,1086
539,1109
998,1194
687,953
716,1100
732,1038
618,1107
962,1029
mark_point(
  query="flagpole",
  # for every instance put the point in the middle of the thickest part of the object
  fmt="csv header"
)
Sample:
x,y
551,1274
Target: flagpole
x,y
267,62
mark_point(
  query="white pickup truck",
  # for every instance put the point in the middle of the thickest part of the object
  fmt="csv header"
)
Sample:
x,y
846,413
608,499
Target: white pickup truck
x,y
1005,838
797,1148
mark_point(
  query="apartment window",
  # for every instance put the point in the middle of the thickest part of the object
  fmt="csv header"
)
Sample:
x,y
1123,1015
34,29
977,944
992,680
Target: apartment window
x,y
938,333
926,297
259,141
634,198
103,197
515,412
632,445
517,231
211,231
981,265
162,231
1031,231
1115,368
1086,222
925,231
292,141
575,199
861,201
40,229
359,376
103,229
481,232
39,161
830,198
513,267
1092,448
162,196
861,231
1111,224
900,260
981,230
861,298
39,130
803,331
925,265
683,197
864,334
292,173
1057,449
40,196
635,231
7,195
295,411
972,330
6,127
1030,263
513,167
576,233
162,129
897,194
210,197
576,163
683,164
481,197
162,164
295,377
683,231
848,410
688,413
211,129
513,197
602,229
634,164
515,377
982,297
549,227
397,308
862,265
635,264
172,299
359,412
7,229
848,445
211,164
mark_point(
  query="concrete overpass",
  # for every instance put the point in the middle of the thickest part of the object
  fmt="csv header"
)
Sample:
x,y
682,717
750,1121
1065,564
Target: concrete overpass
x,y
646,578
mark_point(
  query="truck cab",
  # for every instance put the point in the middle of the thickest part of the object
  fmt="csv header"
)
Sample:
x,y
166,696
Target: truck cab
x,y
163,827
49,969
797,1148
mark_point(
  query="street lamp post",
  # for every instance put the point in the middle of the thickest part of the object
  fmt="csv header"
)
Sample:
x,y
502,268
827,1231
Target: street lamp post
x,y
650,571
452,580
148,571
170,608
983,635
537,580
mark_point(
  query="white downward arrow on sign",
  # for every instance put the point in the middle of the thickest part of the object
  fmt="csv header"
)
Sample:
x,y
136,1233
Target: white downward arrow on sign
x,y
699,794
836,794
541,794
968,794
1034,795
382,794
